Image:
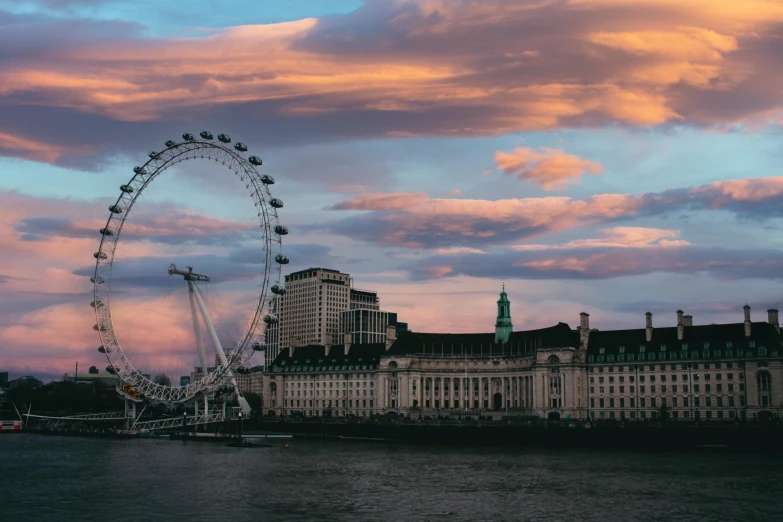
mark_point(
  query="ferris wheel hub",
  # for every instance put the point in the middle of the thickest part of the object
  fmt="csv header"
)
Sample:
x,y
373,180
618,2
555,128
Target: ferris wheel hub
x,y
188,274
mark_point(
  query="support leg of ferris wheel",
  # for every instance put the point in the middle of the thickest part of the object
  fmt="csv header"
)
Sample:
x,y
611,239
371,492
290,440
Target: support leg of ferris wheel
x,y
243,404
202,356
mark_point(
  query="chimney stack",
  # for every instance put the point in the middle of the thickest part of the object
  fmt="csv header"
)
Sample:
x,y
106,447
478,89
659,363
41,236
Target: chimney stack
x,y
687,320
584,328
680,325
391,336
347,343
747,320
648,317
772,318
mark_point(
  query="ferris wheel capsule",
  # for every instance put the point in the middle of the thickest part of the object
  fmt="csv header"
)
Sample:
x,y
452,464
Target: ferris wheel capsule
x,y
280,230
224,138
206,135
241,147
114,209
188,137
127,189
277,203
255,160
99,255
111,369
278,290
96,280
270,319
101,349
106,232
96,304
170,143
152,154
266,179
281,259
258,347
139,170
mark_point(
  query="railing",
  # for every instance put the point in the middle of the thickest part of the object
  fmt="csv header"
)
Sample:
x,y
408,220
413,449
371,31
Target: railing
x,y
216,415
113,415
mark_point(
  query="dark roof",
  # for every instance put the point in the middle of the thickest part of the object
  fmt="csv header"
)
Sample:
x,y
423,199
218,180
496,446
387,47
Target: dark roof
x,y
763,334
411,343
315,356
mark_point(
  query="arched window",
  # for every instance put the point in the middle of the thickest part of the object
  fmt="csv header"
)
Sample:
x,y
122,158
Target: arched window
x,y
392,365
273,394
554,359
764,383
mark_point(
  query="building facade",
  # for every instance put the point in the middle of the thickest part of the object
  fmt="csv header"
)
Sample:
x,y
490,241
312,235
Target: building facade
x,y
682,372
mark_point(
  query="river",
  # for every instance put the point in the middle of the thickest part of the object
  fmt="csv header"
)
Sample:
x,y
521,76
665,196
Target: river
x,y
46,478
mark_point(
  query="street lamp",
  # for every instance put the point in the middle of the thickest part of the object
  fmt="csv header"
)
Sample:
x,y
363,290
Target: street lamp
x,y
184,420
239,427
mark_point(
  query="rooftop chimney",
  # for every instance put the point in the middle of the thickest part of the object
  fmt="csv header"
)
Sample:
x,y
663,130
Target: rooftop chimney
x,y
648,317
687,320
680,325
584,328
347,343
772,318
391,336
747,320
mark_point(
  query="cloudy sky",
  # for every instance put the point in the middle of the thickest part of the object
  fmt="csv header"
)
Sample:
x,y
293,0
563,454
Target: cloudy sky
x,y
607,156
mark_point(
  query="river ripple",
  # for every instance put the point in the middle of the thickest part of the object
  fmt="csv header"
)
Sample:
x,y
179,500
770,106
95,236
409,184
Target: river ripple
x,y
46,478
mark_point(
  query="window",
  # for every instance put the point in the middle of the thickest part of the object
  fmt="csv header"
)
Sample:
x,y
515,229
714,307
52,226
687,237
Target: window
x,y
764,383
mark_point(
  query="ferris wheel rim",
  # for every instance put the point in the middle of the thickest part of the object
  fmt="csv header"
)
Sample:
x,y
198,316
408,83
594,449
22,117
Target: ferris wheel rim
x,y
177,152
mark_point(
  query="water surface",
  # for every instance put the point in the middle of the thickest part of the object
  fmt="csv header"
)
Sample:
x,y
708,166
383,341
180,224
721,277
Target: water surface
x,y
64,478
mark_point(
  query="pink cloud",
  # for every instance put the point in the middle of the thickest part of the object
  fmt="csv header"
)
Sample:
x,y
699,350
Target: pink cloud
x,y
547,168
620,237
416,220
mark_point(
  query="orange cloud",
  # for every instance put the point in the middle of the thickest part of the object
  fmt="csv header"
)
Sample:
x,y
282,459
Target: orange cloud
x,y
473,67
547,168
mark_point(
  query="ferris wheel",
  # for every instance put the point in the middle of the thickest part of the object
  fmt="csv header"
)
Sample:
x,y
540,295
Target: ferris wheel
x,y
137,385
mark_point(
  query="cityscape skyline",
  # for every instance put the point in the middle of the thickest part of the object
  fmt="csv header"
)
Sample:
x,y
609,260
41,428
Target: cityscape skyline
x,y
624,160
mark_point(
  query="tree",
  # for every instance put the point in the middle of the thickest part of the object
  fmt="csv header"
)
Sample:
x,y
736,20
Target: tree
x,y
162,379
93,370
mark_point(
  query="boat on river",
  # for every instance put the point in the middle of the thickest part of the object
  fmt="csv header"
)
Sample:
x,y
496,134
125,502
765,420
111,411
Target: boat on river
x,y
10,418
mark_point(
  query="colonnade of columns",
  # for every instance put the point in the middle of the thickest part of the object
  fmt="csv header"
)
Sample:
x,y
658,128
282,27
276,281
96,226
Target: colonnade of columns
x,y
471,392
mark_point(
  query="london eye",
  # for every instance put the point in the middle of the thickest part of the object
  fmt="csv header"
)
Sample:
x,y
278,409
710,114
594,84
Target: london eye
x,y
268,259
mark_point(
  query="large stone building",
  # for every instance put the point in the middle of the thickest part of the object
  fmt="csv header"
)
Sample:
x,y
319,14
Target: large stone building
x,y
706,372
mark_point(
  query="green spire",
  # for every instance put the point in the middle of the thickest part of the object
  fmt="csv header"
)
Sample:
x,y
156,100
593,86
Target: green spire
x,y
503,324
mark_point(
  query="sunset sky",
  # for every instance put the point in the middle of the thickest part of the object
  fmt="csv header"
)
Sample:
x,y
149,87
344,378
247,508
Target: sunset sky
x,y
607,156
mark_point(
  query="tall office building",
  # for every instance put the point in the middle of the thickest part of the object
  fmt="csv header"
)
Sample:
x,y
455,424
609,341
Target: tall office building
x,y
310,309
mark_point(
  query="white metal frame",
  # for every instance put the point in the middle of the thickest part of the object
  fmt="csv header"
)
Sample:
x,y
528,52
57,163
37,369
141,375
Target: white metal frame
x,y
130,192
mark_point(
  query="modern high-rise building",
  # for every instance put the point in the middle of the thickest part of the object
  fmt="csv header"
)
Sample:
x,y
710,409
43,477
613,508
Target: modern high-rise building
x,y
310,309
366,326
